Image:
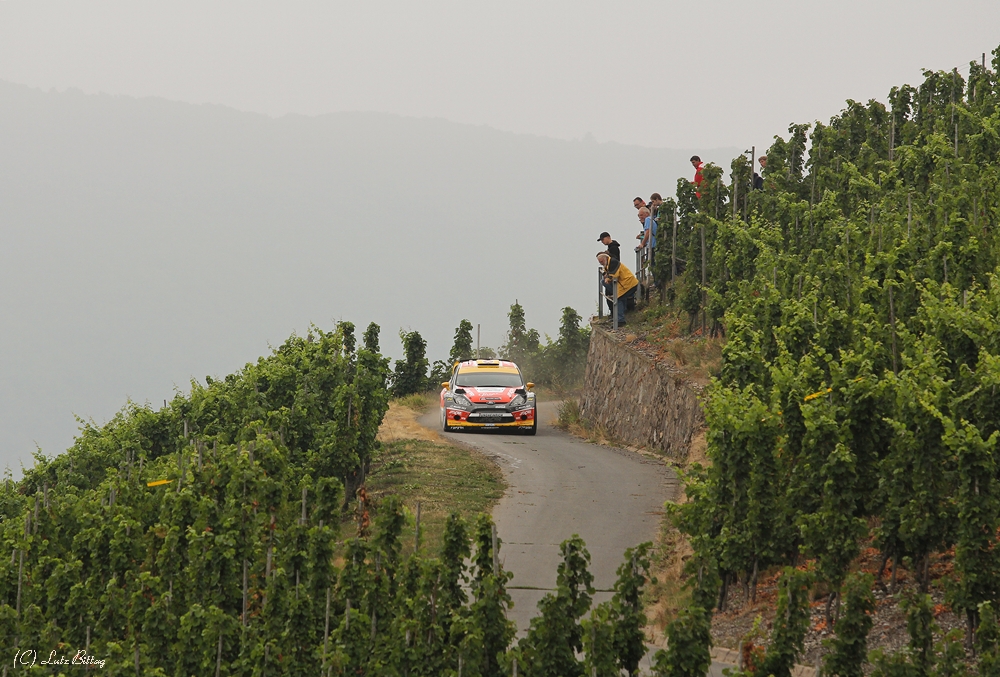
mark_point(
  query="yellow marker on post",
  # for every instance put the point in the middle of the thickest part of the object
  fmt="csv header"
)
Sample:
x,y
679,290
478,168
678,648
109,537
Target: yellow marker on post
x,y
828,390
815,395
156,483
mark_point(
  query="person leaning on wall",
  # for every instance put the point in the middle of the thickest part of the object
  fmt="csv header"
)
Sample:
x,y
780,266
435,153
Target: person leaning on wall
x,y
648,233
627,283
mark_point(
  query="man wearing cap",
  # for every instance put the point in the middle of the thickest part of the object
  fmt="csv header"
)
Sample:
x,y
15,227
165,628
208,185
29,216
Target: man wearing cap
x,y
613,248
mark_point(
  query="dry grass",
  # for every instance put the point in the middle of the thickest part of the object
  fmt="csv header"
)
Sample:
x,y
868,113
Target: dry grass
x,y
569,420
553,393
442,478
698,452
400,423
699,357
666,597
419,402
420,466
661,333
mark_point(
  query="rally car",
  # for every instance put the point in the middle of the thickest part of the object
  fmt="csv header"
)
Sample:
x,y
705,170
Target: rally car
x,y
489,394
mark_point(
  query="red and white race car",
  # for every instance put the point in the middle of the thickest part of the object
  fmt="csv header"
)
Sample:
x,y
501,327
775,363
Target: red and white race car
x,y
488,394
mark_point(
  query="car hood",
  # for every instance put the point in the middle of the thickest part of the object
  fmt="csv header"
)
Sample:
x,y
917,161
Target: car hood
x,y
489,395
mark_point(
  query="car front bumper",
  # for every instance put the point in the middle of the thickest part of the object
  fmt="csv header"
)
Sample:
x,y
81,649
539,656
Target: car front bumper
x,y
457,418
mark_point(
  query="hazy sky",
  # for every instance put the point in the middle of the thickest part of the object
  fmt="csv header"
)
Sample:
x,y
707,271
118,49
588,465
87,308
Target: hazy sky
x,y
668,74
144,242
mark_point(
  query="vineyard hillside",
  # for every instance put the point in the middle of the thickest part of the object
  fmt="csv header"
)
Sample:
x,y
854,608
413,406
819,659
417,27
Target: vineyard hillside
x,y
852,419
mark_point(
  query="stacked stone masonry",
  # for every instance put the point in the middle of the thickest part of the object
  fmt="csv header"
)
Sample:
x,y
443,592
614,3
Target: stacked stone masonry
x,y
637,400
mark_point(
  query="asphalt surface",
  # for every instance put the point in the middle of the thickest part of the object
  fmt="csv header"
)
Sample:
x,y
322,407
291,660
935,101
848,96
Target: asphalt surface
x,y
560,485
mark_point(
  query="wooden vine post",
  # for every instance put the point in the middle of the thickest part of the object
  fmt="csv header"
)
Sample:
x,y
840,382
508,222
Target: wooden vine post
x,y
243,616
496,560
704,289
892,324
326,630
416,535
673,249
909,213
218,656
892,135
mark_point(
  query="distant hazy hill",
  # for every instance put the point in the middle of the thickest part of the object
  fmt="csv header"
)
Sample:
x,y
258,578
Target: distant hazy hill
x,y
144,242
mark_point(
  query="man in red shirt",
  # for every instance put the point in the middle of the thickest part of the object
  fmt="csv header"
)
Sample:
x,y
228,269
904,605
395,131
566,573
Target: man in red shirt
x,y
698,166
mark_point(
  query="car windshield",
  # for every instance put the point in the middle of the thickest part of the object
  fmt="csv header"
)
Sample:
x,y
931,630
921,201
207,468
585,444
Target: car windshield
x,y
485,378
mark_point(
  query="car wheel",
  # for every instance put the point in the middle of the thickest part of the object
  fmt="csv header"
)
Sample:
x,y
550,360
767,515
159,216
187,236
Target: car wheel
x,y
534,424
444,422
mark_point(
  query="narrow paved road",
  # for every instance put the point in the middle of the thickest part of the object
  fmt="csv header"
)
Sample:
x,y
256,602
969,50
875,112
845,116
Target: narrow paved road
x,y
560,486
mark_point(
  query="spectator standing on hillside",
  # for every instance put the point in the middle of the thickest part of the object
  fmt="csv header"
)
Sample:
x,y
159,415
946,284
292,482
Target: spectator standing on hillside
x,y
648,235
627,284
648,230
654,205
698,178
638,202
758,180
613,248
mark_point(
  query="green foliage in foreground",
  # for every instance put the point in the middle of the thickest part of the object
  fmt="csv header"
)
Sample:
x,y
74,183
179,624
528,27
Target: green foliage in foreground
x,y
791,620
849,649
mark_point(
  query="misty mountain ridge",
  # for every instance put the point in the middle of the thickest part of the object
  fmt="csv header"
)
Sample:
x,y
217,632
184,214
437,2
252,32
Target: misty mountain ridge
x,y
146,242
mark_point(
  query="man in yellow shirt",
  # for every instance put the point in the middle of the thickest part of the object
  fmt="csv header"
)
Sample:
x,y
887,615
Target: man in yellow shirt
x,y
627,284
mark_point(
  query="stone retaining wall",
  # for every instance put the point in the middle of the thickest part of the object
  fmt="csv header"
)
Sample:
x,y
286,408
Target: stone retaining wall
x,y
637,400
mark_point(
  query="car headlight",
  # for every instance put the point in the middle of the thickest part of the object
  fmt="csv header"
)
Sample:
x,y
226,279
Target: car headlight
x,y
521,402
458,402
